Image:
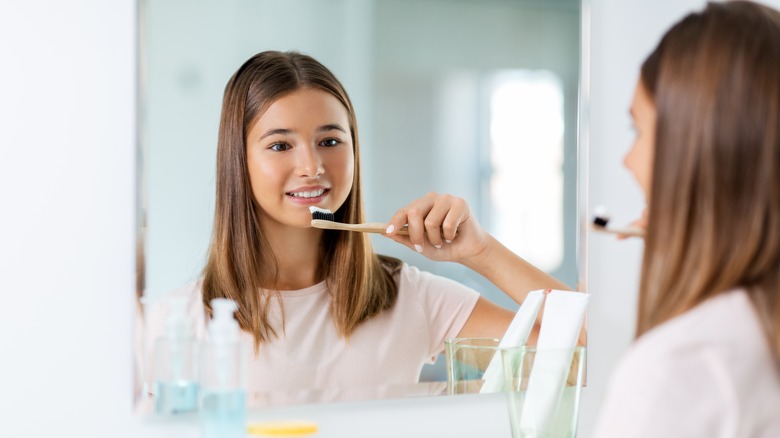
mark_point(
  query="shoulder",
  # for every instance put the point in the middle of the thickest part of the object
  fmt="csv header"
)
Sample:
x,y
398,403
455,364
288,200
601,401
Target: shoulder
x,y
724,323
710,333
711,358
412,276
433,290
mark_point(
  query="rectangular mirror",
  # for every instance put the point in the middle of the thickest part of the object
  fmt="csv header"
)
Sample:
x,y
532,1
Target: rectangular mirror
x,y
478,98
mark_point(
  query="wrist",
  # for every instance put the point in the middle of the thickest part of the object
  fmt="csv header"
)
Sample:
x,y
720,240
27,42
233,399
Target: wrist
x,y
480,261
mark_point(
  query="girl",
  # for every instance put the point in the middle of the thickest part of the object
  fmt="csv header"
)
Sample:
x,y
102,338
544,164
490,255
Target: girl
x,y
707,156
319,309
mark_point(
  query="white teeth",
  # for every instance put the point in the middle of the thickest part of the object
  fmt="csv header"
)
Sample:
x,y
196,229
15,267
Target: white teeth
x,y
312,194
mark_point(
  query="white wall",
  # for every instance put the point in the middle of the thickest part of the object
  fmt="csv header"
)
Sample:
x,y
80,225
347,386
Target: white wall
x,y
67,138
623,34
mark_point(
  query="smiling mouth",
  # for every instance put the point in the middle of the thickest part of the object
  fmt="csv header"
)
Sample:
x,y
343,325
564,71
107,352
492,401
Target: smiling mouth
x,y
308,194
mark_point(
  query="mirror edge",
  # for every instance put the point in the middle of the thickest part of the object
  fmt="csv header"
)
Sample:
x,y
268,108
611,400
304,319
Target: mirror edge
x,y
140,206
583,143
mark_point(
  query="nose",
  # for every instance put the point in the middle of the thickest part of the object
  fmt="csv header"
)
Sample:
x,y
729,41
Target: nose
x,y
309,163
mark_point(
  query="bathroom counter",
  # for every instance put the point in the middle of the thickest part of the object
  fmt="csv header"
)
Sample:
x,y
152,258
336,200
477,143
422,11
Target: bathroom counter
x,y
470,415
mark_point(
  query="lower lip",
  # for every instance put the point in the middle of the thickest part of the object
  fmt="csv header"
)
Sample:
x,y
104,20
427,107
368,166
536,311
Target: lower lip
x,y
308,201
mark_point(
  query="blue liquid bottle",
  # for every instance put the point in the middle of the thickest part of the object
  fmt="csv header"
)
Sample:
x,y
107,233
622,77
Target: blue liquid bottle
x,y
175,386
223,396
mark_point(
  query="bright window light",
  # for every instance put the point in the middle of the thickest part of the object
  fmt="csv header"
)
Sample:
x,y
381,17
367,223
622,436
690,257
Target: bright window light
x,y
526,154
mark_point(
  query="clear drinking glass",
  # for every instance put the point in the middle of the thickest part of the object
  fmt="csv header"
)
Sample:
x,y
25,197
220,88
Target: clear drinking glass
x,y
543,390
467,360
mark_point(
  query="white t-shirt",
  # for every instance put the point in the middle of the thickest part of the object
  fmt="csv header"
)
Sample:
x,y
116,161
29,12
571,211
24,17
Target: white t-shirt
x,y
388,349
706,373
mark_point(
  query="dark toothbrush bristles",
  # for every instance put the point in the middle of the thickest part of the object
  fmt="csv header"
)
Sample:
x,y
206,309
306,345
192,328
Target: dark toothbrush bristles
x,y
322,214
600,221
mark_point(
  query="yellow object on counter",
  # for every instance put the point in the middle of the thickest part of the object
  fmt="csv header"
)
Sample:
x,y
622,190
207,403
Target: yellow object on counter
x,y
282,428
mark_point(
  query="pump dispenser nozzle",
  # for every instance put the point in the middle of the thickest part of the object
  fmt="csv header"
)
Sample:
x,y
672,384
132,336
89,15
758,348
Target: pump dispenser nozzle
x,y
223,327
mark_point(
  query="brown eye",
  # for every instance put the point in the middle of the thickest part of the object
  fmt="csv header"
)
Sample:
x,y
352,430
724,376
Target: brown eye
x,y
329,143
279,147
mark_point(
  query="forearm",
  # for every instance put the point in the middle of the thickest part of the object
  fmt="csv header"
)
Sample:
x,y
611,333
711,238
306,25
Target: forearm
x,y
510,272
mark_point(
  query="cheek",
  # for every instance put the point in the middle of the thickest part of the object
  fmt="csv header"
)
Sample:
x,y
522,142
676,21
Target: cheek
x,y
344,165
262,175
639,161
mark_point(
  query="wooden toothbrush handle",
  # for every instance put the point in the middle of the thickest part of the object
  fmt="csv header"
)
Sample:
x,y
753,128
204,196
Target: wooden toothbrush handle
x,y
370,227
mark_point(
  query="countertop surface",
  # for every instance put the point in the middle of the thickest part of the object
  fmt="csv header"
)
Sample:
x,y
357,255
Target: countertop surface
x,y
468,415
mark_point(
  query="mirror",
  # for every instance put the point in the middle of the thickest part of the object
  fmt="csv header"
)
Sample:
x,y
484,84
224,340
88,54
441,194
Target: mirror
x,y
478,98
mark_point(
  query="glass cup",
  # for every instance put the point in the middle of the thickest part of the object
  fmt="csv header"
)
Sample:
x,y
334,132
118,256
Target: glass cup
x,y
467,360
543,390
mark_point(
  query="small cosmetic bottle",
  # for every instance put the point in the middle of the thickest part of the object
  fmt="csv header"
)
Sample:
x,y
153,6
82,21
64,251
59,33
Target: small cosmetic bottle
x,y
223,393
175,385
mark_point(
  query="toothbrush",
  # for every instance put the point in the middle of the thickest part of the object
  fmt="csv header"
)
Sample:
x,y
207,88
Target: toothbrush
x,y
600,220
326,220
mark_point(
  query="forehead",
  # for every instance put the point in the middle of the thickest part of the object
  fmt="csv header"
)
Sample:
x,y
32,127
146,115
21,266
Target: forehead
x,y
306,106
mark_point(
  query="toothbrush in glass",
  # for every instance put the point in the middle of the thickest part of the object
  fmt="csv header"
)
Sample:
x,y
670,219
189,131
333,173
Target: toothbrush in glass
x,y
326,220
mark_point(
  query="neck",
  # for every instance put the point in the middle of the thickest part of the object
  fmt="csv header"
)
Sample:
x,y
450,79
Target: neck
x,y
297,254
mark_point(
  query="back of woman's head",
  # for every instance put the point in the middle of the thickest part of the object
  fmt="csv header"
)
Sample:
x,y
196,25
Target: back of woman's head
x,y
715,198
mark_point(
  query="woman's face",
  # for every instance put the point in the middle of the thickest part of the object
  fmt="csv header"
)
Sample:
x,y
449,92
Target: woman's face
x,y
299,154
639,159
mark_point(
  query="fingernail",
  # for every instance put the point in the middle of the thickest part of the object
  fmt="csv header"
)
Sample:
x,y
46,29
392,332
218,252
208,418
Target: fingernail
x,y
418,248
437,246
389,229
448,241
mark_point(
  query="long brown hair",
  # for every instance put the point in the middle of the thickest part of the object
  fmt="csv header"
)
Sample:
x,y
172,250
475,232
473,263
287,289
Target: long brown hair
x,y
714,206
240,261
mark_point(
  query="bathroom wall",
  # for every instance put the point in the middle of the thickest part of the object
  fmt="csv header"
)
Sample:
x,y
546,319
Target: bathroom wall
x,y
67,190
67,141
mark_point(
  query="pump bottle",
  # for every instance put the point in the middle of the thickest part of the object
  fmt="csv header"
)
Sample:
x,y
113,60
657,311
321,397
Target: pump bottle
x,y
175,385
223,393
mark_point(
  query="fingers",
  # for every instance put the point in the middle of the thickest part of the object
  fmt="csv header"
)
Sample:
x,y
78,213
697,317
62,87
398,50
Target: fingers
x,y
444,218
638,228
416,213
432,220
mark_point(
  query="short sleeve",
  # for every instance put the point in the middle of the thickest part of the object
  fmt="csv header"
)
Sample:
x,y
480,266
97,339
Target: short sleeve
x,y
446,304
668,394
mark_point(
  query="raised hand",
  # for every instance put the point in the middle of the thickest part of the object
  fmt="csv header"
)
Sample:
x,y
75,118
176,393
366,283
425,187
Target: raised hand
x,y
441,227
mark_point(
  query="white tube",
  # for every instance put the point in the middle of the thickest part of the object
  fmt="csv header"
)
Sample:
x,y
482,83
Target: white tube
x,y
515,336
562,320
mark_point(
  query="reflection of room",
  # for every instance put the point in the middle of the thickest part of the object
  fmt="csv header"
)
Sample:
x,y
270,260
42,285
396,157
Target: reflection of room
x,y
431,103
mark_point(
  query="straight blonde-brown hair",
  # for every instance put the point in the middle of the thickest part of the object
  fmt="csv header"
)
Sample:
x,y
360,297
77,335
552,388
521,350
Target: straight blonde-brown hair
x,y
714,206
240,261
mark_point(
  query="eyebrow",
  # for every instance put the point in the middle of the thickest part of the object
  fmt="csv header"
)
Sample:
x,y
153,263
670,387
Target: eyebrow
x,y
331,127
286,131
